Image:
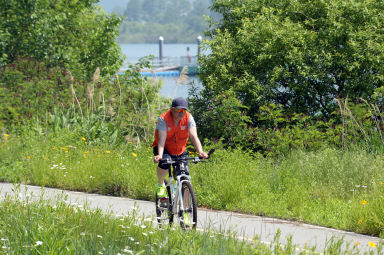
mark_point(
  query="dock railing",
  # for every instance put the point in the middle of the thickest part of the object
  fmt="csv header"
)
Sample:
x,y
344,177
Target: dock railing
x,y
174,61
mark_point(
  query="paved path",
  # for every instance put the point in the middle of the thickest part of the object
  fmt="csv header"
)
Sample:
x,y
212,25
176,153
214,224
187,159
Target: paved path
x,y
246,226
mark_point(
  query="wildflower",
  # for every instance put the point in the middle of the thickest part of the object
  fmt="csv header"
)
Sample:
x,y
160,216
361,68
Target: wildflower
x,y
64,148
91,177
126,250
360,221
371,244
85,142
86,152
357,243
99,236
107,152
118,154
134,154
380,183
145,234
82,234
6,136
38,243
28,157
364,202
143,226
84,139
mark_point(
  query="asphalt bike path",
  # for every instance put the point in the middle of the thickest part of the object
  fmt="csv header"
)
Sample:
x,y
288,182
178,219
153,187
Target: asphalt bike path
x,y
246,227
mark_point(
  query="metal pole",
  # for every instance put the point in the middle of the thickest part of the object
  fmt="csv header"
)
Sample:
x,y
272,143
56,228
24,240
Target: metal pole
x,y
161,42
199,39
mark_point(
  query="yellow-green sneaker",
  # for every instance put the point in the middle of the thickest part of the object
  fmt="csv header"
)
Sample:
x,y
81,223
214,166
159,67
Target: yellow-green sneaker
x,y
187,223
161,191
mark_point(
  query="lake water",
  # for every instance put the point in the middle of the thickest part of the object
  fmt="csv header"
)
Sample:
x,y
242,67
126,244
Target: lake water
x,y
171,86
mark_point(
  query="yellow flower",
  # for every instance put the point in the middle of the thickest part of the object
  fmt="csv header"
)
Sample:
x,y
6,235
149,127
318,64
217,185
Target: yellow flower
x,y
356,243
118,154
84,156
85,142
64,148
28,157
107,152
364,202
380,183
6,136
85,152
134,154
372,244
45,158
360,221
84,139
66,151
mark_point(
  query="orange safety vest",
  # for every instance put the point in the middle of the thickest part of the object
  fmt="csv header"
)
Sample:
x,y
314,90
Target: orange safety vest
x,y
177,137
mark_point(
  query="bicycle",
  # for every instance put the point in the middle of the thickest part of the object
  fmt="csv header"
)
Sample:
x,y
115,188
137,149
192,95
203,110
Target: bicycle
x,y
181,199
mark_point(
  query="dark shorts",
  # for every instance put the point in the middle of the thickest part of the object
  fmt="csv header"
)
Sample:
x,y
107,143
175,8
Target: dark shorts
x,y
166,154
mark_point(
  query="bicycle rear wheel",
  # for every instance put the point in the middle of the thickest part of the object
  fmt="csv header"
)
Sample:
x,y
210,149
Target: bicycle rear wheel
x,y
164,209
188,214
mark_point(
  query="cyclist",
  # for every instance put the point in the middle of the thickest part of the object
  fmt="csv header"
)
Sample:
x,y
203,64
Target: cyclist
x,y
173,128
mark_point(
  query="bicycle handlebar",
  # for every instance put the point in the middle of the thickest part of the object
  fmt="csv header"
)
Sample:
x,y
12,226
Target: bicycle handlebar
x,y
193,159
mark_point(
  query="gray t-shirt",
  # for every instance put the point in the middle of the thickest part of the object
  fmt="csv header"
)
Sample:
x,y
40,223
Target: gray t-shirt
x,y
162,126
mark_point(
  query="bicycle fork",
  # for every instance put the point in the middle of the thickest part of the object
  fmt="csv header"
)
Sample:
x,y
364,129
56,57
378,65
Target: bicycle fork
x,y
178,206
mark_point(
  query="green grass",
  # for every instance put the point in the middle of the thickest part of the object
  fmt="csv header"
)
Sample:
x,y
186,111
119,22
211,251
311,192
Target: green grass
x,y
42,226
329,187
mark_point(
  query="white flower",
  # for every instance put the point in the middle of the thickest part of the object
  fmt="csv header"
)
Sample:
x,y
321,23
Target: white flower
x,y
145,234
128,250
38,243
99,236
143,226
132,239
82,234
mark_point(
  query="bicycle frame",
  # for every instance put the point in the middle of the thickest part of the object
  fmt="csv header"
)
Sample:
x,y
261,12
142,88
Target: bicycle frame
x,y
176,199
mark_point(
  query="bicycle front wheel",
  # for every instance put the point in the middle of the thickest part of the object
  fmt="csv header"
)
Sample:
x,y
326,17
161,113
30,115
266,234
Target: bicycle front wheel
x,y
188,214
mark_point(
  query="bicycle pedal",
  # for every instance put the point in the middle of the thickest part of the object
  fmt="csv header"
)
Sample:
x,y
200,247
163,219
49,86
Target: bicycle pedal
x,y
163,202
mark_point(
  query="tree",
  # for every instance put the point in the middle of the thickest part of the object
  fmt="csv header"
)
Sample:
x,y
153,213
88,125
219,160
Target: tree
x,y
298,54
68,33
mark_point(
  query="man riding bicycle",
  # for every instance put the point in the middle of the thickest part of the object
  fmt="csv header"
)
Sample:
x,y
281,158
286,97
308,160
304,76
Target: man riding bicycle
x,y
173,129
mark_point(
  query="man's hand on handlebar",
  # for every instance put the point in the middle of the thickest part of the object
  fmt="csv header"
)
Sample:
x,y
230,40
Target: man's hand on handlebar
x,y
157,158
203,155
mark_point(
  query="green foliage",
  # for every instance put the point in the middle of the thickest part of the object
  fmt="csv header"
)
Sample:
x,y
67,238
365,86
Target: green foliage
x,y
362,125
109,110
30,89
298,54
71,34
222,118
